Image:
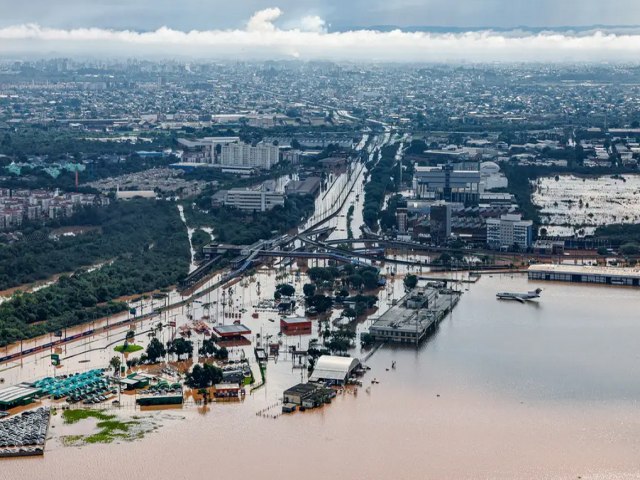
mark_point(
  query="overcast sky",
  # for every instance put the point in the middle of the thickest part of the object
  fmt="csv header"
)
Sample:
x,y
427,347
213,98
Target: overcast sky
x,y
324,29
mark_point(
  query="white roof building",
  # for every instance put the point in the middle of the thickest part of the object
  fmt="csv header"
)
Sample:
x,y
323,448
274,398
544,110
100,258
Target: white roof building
x,y
333,369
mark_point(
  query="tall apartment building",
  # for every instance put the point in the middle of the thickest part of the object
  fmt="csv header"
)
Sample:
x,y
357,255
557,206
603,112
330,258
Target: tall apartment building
x,y
241,154
440,222
401,219
509,230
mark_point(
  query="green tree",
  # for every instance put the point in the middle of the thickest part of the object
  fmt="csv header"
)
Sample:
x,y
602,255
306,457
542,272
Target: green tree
x,y
155,350
322,303
630,249
370,279
349,313
115,363
366,339
203,376
356,281
180,347
309,289
410,282
286,290
222,354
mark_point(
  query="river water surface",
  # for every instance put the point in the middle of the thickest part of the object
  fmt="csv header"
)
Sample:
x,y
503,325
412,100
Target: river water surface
x,y
501,390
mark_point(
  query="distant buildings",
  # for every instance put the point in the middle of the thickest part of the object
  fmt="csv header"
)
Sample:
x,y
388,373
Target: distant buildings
x,y
508,231
229,152
204,150
19,205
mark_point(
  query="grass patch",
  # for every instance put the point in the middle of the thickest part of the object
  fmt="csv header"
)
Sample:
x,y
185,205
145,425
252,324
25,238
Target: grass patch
x,y
110,428
74,416
128,349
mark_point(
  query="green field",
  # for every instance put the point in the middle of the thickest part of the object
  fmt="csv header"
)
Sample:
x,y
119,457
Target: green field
x,y
128,349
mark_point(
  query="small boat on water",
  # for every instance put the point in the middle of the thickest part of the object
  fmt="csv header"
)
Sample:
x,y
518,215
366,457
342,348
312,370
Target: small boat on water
x,y
520,297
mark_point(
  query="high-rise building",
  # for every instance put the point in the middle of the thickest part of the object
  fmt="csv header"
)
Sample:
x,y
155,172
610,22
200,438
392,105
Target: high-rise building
x,y
440,222
508,231
241,154
401,219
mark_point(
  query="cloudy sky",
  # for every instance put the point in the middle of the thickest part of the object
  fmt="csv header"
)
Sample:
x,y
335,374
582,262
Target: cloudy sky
x,y
331,29
216,14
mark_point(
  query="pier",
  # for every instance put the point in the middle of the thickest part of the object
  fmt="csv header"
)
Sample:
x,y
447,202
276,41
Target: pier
x,y
415,315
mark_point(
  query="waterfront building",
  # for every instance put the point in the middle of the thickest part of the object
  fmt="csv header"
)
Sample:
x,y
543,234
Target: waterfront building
x,y
414,315
334,370
585,274
508,231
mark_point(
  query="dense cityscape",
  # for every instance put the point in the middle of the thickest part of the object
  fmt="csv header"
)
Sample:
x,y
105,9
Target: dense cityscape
x,y
323,253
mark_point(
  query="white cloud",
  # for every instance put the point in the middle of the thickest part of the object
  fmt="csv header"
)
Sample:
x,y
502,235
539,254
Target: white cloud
x,y
313,23
262,21
309,39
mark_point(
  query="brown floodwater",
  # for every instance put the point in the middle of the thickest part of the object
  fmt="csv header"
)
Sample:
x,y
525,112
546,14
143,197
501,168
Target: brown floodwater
x,y
501,390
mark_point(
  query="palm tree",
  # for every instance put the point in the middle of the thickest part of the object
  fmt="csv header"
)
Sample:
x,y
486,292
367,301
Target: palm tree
x,y
115,363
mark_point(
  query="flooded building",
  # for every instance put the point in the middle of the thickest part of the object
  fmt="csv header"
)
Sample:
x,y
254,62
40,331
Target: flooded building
x,y
414,316
334,370
586,274
295,326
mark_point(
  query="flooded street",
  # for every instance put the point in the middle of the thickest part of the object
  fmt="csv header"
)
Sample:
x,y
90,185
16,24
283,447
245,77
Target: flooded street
x,y
501,390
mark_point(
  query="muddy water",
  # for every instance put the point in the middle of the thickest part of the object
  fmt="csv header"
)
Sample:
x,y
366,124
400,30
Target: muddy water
x,y
502,390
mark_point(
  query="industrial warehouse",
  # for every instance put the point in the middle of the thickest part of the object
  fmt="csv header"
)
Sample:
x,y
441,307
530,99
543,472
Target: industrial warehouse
x,y
586,274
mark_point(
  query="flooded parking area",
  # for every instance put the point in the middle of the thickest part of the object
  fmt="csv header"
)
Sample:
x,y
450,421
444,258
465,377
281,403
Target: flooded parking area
x,y
578,205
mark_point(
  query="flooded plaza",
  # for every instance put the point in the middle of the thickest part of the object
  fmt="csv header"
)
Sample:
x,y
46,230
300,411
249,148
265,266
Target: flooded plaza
x,y
500,390
571,204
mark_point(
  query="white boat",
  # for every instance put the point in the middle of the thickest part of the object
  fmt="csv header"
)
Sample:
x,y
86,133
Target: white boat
x,y
520,297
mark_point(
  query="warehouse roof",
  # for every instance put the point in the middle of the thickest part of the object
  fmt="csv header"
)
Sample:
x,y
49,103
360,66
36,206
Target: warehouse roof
x,y
330,367
16,393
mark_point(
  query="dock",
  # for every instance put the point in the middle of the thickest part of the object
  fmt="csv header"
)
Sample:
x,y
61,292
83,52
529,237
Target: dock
x,y
415,315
